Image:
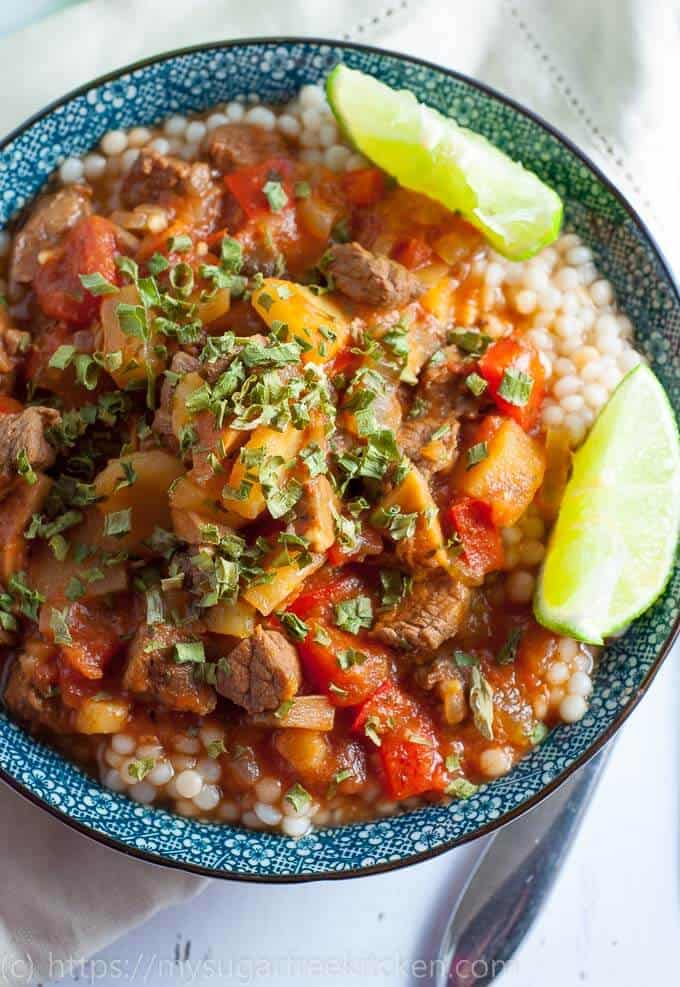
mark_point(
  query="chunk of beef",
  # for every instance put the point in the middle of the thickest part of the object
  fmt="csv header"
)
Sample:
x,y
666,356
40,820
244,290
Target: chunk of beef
x,y
377,281
236,145
314,514
262,672
153,675
153,175
24,432
431,440
51,216
431,614
443,677
31,697
22,501
13,345
442,385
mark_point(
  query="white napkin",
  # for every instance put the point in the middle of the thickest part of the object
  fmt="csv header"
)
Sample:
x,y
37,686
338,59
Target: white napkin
x,y
604,71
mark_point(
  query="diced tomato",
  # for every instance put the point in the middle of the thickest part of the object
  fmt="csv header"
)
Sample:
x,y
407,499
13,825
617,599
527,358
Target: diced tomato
x,y
369,542
409,747
247,185
88,248
317,600
74,687
482,548
352,684
413,253
363,187
94,640
499,366
9,406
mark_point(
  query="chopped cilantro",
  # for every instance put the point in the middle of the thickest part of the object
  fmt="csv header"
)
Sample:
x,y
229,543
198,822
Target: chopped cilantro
x,y
516,387
25,469
118,523
298,797
354,614
296,628
59,626
189,652
476,454
97,284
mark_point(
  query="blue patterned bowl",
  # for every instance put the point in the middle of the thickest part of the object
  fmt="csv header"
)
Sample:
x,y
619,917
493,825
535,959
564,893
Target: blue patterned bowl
x,y
194,80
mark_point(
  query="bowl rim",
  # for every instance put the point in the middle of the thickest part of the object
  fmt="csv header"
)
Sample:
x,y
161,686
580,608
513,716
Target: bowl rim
x,y
356,872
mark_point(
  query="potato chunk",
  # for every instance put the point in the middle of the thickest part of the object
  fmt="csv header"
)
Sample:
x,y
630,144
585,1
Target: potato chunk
x,y
284,444
312,318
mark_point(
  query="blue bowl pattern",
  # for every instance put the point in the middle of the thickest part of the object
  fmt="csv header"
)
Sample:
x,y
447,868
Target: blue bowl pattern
x,y
274,70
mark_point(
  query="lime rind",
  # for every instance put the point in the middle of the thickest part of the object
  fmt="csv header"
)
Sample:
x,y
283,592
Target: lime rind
x,y
613,548
430,153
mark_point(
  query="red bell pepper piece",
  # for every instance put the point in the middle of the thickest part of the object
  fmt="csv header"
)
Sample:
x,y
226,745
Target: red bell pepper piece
x,y
480,539
348,668
9,406
317,600
94,640
511,368
88,248
369,542
247,185
413,253
363,187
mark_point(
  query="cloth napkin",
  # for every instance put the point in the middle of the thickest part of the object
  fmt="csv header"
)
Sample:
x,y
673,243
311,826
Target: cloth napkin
x,y
603,71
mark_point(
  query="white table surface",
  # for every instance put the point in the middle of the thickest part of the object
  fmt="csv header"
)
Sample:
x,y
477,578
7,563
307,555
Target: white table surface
x,y
613,918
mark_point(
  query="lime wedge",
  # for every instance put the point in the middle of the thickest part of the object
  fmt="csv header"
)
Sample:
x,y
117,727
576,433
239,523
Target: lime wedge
x,y
430,153
612,549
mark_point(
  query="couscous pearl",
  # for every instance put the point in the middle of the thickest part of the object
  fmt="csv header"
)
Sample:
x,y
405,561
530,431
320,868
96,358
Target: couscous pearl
x,y
311,97
512,536
525,302
171,789
564,366
385,807
578,255
309,138
311,119
208,798
587,274
566,325
138,137
209,769
72,170
142,792
569,344
568,241
229,811
235,112
536,279
558,672
494,274
494,762
553,416
556,696
566,279
288,125
114,165
595,395
211,734
94,165
570,303
568,649
611,345
531,552
114,142
251,820
580,684
112,759
540,706
160,144
129,157
328,135
215,120
511,557
520,586
188,783
123,743
260,116
573,402
113,780
583,356
311,155
540,338
573,709
295,828
607,325
268,790
549,298
149,750
185,807
592,371
570,384
576,427
601,292
161,773
336,157
186,745
268,814
629,359
175,125
356,162
195,132
321,817
583,662
611,378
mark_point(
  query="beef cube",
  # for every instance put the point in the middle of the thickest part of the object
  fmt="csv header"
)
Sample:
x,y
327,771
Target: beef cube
x,y
153,175
261,672
237,145
431,614
51,216
24,433
153,675
376,281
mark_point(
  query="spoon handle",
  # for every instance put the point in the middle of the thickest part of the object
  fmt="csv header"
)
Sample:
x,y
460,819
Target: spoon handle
x,y
510,883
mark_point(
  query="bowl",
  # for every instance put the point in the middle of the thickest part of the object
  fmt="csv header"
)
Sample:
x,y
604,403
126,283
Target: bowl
x,y
194,79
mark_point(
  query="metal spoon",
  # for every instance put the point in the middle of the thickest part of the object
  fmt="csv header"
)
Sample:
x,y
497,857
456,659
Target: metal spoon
x,y
510,883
